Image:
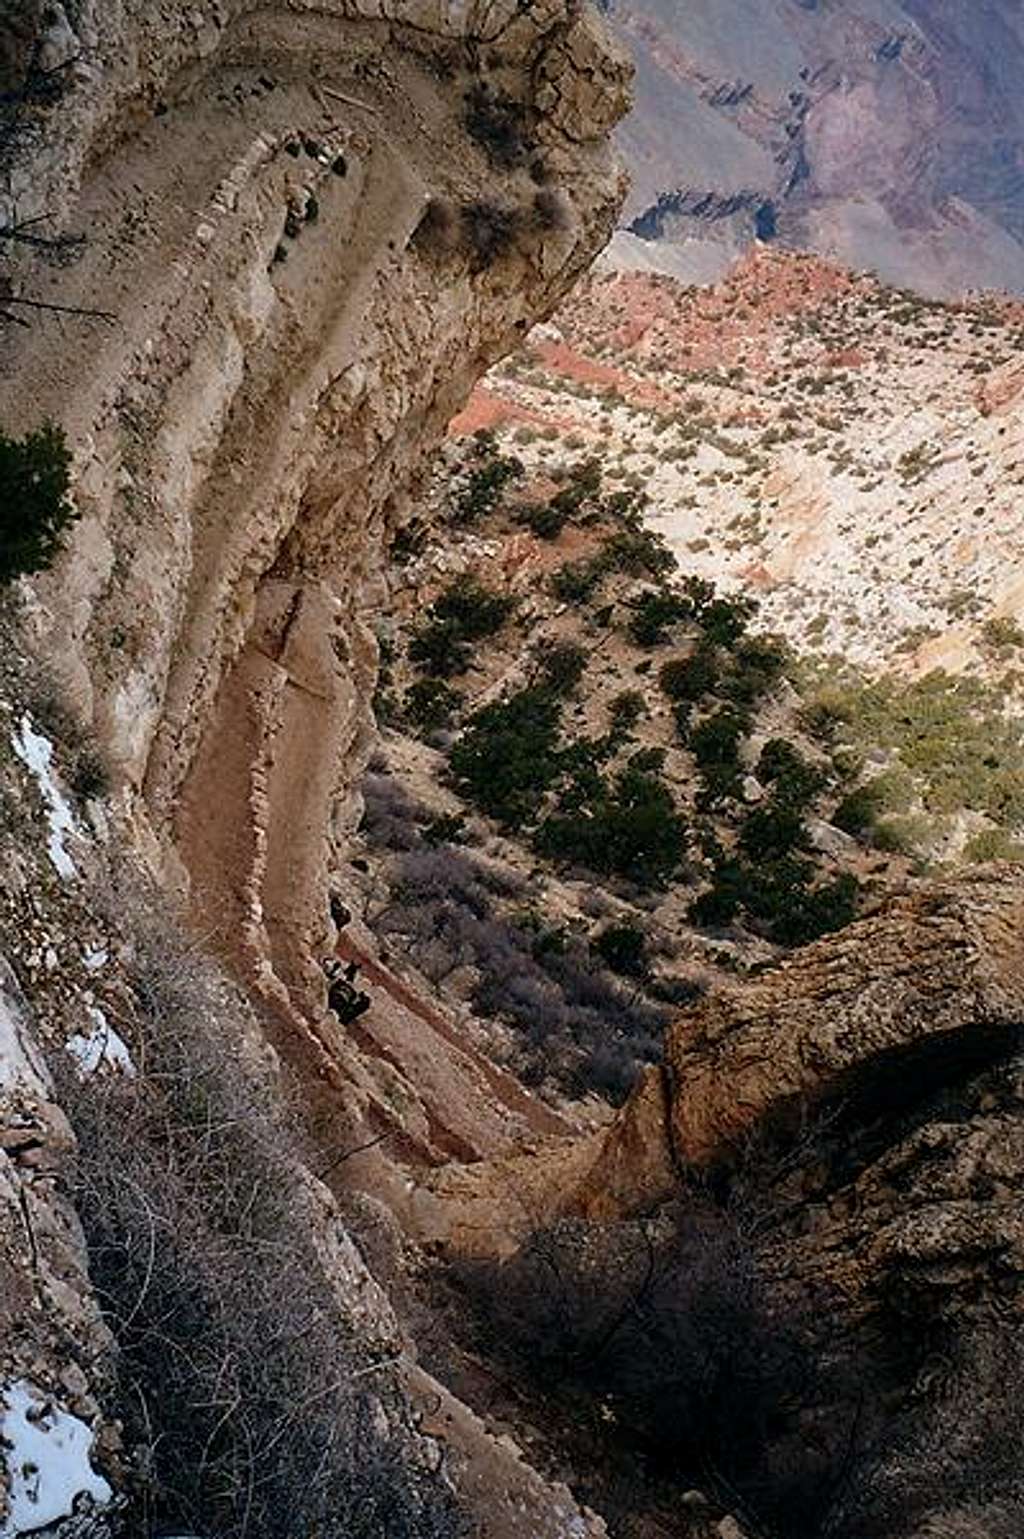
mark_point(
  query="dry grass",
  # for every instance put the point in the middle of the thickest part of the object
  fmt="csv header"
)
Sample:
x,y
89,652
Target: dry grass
x,y
251,1407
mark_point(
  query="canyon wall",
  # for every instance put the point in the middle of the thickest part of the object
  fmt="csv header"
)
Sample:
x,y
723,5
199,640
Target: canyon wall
x,y
885,135
280,357
299,250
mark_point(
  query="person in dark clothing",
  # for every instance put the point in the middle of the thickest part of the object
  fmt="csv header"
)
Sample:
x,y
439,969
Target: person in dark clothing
x,y
342,997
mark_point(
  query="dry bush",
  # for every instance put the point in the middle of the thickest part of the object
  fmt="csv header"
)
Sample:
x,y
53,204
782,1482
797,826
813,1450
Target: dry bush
x,y
679,1337
251,1407
702,1355
576,1023
489,229
667,1325
497,122
552,210
392,818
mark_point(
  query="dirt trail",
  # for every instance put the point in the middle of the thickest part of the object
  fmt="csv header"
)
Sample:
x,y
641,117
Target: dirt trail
x,y
499,1087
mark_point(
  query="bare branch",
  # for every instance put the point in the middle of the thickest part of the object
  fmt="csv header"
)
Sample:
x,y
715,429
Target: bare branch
x,y
55,309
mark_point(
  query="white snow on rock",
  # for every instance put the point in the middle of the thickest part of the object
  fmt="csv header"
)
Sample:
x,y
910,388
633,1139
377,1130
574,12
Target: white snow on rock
x,y
47,1456
21,1064
36,753
100,1048
95,958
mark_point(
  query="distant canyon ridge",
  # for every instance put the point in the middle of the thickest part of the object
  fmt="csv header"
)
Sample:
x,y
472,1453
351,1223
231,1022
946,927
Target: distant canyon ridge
x,y
887,135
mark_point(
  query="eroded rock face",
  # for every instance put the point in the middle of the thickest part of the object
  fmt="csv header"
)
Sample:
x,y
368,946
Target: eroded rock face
x,y
283,357
878,132
286,338
885,1062
922,990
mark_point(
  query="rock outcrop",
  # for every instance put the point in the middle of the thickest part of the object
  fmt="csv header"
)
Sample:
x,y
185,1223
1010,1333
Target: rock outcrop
x,y
885,1063
862,1030
917,993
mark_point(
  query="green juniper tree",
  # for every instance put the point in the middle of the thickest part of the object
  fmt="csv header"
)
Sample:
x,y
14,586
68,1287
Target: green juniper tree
x,y
35,509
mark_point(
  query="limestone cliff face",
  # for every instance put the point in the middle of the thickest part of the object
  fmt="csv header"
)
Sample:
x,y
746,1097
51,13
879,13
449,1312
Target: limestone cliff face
x,y
304,259
282,358
871,1014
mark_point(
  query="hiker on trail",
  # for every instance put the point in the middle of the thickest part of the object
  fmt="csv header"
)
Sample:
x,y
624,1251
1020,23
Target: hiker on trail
x,y
342,996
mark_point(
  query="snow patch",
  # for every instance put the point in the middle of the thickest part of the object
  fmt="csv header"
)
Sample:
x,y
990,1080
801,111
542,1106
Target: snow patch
x,y
47,1457
95,957
36,753
100,1048
20,1062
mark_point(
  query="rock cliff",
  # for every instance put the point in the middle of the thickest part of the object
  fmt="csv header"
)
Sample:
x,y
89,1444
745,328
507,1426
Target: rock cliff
x,y
292,236
281,358
886,135
306,230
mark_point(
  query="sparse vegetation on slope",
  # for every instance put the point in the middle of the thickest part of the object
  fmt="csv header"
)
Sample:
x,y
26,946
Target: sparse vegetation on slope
x,y
609,732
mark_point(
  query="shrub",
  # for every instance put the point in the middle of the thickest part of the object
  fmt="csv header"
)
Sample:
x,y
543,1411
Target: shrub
x,y
391,817
430,704
508,755
757,664
724,621
772,831
777,896
795,783
498,123
35,510
577,581
907,834
1002,633
639,553
631,829
489,228
689,678
622,948
675,1335
243,1388
716,740
722,902
560,665
667,1324
544,519
465,612
625,710
583,483
486,482
440,648
953,736
654,611
825,712
476,610
857,813
993,844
